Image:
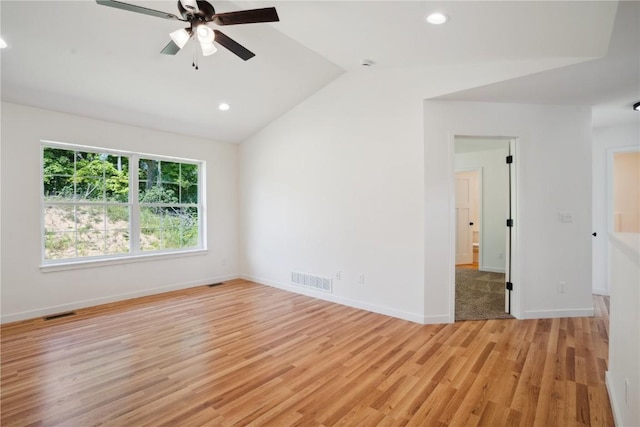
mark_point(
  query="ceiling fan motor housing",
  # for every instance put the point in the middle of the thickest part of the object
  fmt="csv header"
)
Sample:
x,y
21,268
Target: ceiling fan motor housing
x,y
204,14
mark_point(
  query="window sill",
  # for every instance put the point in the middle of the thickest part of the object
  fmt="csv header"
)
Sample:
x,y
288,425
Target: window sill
x,y
129,259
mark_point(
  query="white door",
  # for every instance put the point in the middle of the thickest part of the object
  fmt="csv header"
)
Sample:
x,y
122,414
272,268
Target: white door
x,y
464,242
511,210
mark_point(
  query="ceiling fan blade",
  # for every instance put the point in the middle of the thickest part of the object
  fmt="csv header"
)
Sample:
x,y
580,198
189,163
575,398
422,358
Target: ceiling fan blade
x,y
138,9
233,45
170,49
252,16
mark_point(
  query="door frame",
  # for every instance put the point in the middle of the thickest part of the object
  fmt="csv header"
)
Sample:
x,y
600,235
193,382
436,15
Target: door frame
x,y
511,262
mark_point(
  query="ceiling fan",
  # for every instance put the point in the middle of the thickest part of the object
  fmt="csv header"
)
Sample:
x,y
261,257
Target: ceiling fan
x,y
199,13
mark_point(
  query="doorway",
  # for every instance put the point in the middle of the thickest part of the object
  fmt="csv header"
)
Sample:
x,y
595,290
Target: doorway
x,y
624,209
468,199
623,200
484,197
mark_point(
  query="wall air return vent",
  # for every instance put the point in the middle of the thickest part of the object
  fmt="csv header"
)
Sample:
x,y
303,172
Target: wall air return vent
x,y
313,282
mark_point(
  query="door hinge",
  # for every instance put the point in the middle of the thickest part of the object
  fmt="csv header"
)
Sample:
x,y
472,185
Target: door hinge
x,y
509,286
509,223
509,159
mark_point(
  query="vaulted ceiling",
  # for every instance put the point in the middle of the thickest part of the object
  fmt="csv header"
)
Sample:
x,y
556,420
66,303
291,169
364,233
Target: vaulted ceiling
x,y
87,59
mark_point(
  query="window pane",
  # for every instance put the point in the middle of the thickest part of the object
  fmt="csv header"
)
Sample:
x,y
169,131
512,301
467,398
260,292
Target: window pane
x,y
189,226
171,218
150,217
117,217
117,242
190,237
59,218
188,174
57,161
117,178
150,239
171,238
59,245
90,243
90,188
58,171
189,194
156,194
170,172
90,218
171,193
148,171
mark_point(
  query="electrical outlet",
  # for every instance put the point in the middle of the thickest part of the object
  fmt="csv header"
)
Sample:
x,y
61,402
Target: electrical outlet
x,y
501,255
339,275
565,217
562,287
361,278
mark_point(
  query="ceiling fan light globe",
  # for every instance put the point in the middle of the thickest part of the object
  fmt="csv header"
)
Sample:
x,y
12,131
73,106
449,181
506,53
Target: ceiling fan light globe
x,y
180,37
208,49
205,34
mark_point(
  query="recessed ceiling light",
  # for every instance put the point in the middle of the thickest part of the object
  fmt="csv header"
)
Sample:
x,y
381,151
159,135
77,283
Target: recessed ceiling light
x,y
636,106
437,18
224,106
3,44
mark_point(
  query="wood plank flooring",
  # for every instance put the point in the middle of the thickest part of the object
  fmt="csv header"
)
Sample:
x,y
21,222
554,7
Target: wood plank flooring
x,y
245,354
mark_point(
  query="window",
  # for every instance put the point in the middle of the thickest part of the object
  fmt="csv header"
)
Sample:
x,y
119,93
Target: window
x,y
100,204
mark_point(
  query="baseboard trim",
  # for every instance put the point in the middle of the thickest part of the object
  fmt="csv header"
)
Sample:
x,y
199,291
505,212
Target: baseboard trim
x,y
491,269
552,314
601,291
436,320
45,311
612,398
387,311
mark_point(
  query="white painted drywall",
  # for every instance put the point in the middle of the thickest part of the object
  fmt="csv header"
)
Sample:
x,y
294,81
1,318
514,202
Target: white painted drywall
x,y
29,292
495,192
624,329
338,184
605,141
553,163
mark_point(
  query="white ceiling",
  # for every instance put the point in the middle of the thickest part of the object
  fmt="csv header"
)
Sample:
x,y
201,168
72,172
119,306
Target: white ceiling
x,y
82,58
611,84
394,34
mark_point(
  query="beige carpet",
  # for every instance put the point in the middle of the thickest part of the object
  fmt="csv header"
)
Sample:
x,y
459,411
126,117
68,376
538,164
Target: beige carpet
x,y
479,295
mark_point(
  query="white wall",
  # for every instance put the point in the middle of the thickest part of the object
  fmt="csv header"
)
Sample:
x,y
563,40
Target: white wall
x,y
29,292
551,141
494,205
624,329
337,184
605,140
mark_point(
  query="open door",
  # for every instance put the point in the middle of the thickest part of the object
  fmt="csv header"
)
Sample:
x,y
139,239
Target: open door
x,y
464,223
511,203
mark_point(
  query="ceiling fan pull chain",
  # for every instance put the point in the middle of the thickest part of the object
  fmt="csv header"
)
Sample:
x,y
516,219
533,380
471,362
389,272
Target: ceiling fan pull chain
x,y
194,64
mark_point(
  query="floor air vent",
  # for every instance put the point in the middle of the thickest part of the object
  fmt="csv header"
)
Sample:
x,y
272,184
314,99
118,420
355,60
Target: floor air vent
x,y
313,282
60,315
214,284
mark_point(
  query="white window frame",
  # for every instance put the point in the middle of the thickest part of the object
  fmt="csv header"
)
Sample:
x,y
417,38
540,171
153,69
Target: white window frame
x,y
135,253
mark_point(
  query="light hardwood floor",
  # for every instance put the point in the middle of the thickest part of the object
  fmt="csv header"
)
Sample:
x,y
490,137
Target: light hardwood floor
x,y
245,354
